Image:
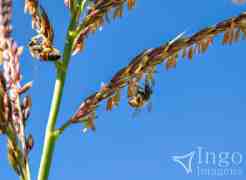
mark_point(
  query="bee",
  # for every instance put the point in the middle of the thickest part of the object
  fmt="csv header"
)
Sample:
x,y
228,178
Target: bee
x,y
41,45
40,48
142,96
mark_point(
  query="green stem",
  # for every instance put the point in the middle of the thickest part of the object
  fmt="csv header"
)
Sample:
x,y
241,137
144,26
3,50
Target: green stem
x,y
49,141
62,66
50,138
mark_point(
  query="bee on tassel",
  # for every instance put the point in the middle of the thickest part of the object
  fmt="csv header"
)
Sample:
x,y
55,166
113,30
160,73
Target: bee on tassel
x,y
41,49
41,45
141,97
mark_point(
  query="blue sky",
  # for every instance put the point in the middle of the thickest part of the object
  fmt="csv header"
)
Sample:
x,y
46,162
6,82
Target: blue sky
x,y
200,103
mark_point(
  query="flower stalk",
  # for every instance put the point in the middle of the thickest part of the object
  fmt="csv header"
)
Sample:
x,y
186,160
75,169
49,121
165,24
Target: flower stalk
x,y
50,135
144,65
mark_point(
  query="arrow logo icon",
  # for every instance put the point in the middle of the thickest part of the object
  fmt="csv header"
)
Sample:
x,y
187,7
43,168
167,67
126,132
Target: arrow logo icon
x,y
185,161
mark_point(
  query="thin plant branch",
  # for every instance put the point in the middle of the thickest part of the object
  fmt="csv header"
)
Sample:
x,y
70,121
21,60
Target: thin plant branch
x,y
145,63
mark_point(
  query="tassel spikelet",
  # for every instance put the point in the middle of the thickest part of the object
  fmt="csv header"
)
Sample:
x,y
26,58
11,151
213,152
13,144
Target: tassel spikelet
x,y
41,45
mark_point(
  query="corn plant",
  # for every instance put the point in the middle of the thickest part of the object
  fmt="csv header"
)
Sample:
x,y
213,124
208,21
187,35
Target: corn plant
x,y
86,18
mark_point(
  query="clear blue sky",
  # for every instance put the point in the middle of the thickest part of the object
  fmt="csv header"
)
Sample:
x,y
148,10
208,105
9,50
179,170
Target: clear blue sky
x,y
200,103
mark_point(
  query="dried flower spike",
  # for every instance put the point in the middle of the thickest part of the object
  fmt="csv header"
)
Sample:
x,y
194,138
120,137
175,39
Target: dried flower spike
x,y
145,63
95,18
41,45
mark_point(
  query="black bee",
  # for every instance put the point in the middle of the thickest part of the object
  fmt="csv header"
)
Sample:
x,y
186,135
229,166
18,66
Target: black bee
x,y
142,96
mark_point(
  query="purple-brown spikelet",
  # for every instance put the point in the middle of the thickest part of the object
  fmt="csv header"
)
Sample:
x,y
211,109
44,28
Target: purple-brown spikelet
x,y
5,18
